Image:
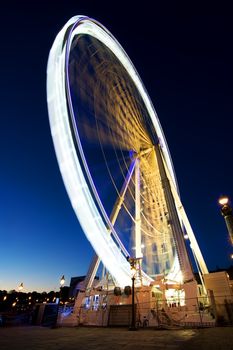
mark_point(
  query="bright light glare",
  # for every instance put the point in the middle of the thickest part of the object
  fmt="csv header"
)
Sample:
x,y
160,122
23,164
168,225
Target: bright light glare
x,y
223,200
20,287
62,280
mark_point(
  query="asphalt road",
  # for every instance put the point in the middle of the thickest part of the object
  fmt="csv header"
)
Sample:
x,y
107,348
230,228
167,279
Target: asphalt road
x,y
83,338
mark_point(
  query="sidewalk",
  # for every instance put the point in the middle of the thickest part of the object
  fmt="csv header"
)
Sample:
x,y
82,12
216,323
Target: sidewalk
x,y
41,338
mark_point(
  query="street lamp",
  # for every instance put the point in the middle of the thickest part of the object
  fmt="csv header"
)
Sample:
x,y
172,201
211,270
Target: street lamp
x,y
62,282
132,262
226,212
20,287
223,200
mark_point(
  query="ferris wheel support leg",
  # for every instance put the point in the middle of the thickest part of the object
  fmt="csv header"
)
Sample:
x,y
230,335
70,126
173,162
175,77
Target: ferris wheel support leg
x,y
92,272
114,214
138,238
120,199
194,245
176,226
199,272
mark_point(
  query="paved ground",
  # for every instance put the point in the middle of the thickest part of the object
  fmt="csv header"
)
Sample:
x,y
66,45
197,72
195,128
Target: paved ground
x,y
41,338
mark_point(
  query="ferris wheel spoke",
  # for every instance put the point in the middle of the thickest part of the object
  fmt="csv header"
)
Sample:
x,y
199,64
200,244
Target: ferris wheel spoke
x,y
118,113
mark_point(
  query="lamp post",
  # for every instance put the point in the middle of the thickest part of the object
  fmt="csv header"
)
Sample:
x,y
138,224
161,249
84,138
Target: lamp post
x,y
62,282
20,287
227,213
132,262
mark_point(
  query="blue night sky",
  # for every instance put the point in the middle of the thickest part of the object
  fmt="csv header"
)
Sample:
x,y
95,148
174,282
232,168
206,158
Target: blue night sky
x,y
185,59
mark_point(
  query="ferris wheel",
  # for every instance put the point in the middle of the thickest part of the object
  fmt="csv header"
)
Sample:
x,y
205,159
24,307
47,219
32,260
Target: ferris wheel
x,y
114,158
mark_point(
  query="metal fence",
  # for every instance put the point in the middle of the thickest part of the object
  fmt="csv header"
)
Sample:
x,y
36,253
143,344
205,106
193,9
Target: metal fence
x,y
191,312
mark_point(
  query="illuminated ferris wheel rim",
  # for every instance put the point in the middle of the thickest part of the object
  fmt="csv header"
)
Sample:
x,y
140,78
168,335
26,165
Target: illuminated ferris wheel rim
x,y
86,25
60,115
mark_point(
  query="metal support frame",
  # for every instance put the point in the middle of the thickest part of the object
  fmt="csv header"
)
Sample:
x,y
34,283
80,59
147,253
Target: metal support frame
x,y
198,257
134,168
118,204
176,227
138,239
194,245
113,217
175,208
